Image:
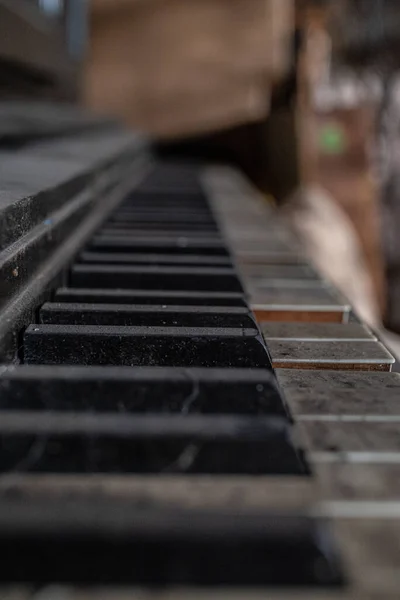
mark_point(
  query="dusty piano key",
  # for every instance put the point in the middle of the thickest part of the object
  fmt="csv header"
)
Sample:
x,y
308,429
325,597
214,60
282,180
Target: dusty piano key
x,y
171,189
165,199
168,244
253,218
241,493
181,298
261,258
165,547
169,186
134,221
171,205
63,313
125,228
252,228
133,443
351,482
180,203
196,593
154,259
330,395
153,205
298,304
369,541
162,227
254,236
232,209
362,356
342,404
157,217
181,237
254,244
235,202
138,235
176,209
251,215
170,228
175,188
242,223
144,346
259,285
144,390
169,217
363,438
265,272
308,332
222,279
167,173
256,217
337,380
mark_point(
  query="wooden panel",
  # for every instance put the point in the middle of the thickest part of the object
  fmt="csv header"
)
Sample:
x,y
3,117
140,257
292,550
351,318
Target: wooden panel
x,y
231,50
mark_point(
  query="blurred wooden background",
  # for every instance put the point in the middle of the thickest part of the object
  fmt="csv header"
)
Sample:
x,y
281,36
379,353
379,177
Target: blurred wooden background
x,y
214,78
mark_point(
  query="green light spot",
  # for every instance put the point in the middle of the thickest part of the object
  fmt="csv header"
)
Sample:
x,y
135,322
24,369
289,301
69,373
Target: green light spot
x,y
332,140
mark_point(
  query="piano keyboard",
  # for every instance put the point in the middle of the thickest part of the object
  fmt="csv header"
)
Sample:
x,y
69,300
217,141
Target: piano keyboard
x,y
195,413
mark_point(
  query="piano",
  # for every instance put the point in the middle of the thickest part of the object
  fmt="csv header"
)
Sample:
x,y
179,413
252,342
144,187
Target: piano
x,y
188,409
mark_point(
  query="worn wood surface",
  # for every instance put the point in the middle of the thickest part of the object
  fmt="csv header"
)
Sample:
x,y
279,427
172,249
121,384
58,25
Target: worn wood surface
x,y
233,51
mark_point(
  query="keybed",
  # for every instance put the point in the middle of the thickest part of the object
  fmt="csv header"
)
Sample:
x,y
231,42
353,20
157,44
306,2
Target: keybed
x,y
198,414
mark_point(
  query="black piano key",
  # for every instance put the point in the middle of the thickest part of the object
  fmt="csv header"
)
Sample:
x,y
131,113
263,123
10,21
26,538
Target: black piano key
x,y
165,199
127,228
149,204
61,313
162,217
181,298
142,390
168,215
160,228
105,541
167,244
144,346
154,259
202,213
136,229
221,279
175,187
115,443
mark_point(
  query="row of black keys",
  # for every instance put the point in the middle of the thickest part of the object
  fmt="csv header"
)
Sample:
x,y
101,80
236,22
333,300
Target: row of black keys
x,y
159,292
181,337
